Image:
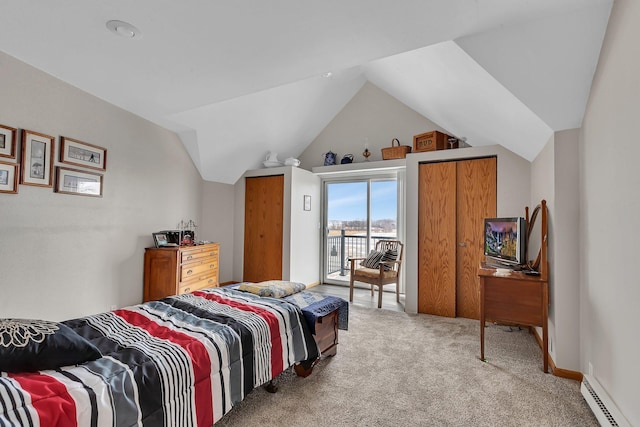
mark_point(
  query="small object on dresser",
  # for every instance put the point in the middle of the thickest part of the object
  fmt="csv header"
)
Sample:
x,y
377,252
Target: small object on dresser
x,y
366,153
395,152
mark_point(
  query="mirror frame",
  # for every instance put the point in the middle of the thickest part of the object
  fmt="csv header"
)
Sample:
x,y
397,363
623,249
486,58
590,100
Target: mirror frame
x,y
533,264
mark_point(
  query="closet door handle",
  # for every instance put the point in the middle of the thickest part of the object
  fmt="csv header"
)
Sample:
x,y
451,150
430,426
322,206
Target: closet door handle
x,y
462,244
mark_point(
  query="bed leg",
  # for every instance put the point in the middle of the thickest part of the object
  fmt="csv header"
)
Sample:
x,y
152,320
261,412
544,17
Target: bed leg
x,y
271,387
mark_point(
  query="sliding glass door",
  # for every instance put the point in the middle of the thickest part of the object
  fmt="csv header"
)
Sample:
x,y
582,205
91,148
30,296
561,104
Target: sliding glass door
x,y
357,213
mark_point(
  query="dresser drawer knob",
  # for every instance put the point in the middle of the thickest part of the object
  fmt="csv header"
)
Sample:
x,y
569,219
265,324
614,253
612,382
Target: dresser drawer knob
x,y
189,257
210,281
189,271
211,265
187,290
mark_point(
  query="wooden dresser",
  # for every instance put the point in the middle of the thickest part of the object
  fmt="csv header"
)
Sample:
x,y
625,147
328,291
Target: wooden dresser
x,y
180,270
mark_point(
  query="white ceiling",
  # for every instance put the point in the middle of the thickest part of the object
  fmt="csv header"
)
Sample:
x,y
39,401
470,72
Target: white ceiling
x,y
238,79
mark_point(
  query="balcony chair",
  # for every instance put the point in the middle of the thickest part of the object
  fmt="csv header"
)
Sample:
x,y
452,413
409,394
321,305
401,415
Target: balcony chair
x,y
386,271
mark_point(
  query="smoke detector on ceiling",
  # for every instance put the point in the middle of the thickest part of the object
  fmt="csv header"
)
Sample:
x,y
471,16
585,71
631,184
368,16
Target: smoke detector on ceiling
x,y
124,29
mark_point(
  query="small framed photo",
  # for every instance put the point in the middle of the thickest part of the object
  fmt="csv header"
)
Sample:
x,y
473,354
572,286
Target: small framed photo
x,y
8,142
81,183
9,177
307,202
160,239
37,159
83,154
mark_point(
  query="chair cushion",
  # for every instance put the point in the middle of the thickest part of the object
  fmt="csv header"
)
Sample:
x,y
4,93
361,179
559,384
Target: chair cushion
x,y
389,255
373,273
373,259
376,257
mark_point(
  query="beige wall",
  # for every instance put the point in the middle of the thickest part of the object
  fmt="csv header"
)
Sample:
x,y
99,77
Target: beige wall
x,y
609,206
63,256
554,177
218,216
372,114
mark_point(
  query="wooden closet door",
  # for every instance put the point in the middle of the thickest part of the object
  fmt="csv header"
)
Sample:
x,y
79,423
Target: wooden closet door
x,y
476,200
436,239
263,221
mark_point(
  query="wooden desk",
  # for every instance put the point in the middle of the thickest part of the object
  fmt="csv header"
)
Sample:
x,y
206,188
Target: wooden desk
x,y
517,298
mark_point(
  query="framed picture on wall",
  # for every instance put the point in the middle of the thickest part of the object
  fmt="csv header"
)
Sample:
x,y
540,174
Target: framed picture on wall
x,y
80,183
83,154
37,159
9,177
8,142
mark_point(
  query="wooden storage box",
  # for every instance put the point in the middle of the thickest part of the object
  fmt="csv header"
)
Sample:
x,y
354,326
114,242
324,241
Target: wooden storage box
x,y
431,141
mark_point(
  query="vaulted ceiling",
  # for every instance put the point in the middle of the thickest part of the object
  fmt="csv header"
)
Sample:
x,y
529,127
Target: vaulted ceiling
x,y
234,78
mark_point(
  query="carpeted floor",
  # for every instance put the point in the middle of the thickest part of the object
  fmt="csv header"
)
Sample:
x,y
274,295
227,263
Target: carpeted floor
x,y
394,369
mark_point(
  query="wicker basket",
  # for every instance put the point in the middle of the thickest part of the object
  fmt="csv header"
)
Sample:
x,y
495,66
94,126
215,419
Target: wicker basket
x,y
395,152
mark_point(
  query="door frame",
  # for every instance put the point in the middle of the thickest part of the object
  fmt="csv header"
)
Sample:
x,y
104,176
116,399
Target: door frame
x,y
397,174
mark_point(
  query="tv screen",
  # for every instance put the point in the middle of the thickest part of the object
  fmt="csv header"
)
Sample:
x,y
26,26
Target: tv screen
x,y
504,240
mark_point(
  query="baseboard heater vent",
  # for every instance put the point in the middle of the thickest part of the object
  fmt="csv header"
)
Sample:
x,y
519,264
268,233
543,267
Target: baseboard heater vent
x,y
601,405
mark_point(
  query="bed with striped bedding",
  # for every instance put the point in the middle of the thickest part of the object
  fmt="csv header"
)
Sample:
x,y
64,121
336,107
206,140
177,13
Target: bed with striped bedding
x,y
181,361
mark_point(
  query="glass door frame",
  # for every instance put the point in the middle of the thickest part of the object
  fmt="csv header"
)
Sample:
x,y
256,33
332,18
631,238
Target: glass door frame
x,y
366,176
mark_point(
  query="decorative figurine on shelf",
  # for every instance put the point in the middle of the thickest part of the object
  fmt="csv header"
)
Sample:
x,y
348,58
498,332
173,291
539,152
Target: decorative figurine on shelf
x,y
348,158
366,153
330,158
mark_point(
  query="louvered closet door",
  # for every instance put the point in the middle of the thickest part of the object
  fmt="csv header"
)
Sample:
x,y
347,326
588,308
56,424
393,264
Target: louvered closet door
x,y
476,200
436,239
263,226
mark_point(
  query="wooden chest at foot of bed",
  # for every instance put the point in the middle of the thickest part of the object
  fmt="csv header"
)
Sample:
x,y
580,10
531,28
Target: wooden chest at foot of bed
x,y
326,335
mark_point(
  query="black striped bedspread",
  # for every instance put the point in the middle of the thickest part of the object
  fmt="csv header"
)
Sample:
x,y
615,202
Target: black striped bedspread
x,y
182,361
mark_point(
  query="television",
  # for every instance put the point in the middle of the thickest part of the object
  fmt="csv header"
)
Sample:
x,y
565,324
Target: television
x,y
505,240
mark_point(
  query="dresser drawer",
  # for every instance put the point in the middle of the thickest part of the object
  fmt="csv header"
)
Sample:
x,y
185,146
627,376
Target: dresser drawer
x,y
197,254
199,283
203,268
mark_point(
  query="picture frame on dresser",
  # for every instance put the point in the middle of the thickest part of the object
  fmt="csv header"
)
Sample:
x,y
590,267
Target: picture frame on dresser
x,y
82,154
37,159
8,142
9,173
160,239
77,182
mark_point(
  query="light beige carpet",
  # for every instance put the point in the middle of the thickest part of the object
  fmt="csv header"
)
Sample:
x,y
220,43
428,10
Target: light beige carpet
x,y
393,369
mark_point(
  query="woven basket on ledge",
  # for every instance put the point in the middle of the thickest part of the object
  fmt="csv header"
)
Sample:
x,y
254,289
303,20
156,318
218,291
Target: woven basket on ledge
x,y
395,152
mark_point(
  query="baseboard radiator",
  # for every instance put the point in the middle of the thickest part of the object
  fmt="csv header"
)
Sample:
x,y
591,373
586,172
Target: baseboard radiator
x,y
601,404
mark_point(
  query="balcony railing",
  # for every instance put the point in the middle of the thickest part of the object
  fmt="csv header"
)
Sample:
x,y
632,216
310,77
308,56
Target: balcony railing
x,y
341,248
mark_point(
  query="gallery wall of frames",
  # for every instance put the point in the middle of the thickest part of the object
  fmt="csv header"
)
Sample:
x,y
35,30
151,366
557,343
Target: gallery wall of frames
x,y
27,157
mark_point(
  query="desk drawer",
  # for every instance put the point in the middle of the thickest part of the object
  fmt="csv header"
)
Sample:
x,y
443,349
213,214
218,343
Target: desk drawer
x,y
519,303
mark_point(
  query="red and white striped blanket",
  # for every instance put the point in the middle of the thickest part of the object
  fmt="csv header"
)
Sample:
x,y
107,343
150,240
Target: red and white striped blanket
x,y
182,361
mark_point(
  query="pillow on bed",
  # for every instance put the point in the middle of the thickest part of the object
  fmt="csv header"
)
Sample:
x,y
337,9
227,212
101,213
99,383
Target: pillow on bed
x,y
28,345
272,288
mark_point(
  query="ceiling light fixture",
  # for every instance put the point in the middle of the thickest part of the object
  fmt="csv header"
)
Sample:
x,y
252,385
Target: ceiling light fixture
x,y
124,29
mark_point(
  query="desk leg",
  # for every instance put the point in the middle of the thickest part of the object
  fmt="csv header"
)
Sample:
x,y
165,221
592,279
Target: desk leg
x,y
545,327
482,319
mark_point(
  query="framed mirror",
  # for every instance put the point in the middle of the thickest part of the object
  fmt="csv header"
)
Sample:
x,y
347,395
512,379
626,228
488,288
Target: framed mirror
x,y
534,236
